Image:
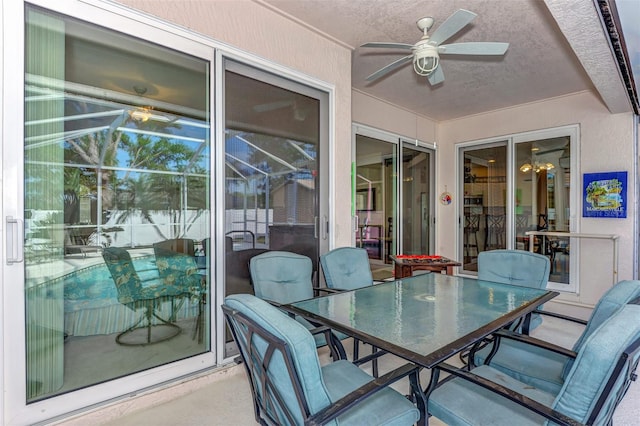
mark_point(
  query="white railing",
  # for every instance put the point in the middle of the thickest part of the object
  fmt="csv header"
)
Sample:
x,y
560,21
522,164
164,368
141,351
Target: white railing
x,y
612,237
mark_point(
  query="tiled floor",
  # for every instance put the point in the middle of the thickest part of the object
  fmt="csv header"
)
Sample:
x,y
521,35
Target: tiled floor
x,y
226,399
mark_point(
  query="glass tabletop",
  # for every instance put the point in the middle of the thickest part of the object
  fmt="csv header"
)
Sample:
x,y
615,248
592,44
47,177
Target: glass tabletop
x,y
425,318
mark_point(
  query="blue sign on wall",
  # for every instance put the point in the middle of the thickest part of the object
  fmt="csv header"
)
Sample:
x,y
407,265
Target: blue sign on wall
x,y
604,195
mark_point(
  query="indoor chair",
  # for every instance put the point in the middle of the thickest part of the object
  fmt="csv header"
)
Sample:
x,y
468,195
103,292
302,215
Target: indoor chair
x,y
177,245
515,267
134,295
282,277
347,268
594,385
541,366
289,386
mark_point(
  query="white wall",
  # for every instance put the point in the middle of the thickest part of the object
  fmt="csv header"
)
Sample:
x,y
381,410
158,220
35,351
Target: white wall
x,y
254,28
382,115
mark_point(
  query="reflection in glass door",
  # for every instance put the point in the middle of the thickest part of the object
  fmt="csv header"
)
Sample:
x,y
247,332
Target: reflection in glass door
x,y
416,210
117,208
376,201
542,200
274,130
484,217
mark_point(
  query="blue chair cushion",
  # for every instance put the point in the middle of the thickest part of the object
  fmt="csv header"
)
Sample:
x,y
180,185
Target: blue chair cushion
x,y
595,364
386,407
301,345
128,284
346,268
282,277
460,402
178,269
516,267
546,369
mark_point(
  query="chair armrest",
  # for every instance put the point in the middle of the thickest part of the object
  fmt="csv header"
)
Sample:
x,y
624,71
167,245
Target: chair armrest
x,y
507,334
365,391
562,317
505,392
327,290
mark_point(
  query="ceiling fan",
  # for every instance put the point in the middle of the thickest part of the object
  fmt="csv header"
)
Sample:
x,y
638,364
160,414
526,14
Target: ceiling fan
x,y
299,112
426,52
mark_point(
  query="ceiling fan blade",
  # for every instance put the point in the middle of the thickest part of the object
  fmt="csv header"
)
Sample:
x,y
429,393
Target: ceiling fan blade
x,y
437,76
270,106
452,25
392,66
474,48
385,45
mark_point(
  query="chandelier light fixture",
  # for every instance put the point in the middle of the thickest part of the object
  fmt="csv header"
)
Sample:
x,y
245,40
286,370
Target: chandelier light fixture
x,y
536,166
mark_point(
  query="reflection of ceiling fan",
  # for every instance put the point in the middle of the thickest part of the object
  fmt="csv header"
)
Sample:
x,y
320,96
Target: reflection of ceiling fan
x,y
299,113
426,52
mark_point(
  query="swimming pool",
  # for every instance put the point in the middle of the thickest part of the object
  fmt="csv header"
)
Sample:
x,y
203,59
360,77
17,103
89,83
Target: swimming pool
x,y
90,300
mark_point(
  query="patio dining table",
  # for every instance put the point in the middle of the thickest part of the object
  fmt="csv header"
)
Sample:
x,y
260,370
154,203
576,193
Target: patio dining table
x,y
424,319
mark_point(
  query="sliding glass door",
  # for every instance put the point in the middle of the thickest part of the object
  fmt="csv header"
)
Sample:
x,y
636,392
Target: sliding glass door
x,y
276,133
393,202
516,185
376,198
417,196
484,216
106,248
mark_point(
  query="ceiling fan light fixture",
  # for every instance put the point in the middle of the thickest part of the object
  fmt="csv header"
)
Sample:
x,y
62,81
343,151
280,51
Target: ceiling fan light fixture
x,y
144,114
426,60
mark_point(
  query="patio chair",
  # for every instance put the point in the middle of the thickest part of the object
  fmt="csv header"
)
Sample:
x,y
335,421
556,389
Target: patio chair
x,y
347,268
179,268
541,366
594,385
290,387
178,245
282,277
516,267
134,295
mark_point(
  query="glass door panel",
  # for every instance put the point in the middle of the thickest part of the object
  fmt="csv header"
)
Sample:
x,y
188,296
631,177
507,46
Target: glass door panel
x,y
273,134
484,216
416,201
542,200
116,195
376,202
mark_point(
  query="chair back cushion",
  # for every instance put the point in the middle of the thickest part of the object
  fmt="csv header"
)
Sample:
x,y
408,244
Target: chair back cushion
x,y
177,271
178,245
346,268
124,275
595,366
281,276
610,302
515,267
301,347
